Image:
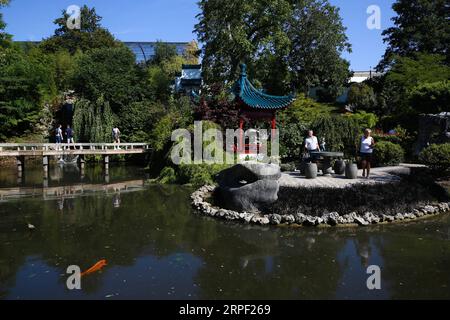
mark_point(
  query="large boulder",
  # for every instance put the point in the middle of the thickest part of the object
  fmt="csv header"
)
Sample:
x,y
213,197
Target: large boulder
x,y
248,187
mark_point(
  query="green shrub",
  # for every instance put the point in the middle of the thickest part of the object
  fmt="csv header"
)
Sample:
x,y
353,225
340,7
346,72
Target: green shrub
x,y
388,154
199,174
167,176
431,97
437,157
290,166
365,119
340,133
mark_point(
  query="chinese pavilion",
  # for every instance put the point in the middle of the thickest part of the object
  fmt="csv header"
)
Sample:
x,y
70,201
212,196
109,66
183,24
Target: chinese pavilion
x,y
254,104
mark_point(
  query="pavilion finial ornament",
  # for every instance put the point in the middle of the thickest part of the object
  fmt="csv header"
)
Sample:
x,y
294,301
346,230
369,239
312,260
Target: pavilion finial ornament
x,y
243,69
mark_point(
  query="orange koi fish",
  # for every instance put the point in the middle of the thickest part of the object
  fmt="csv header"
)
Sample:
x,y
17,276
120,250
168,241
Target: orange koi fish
x,y
98,266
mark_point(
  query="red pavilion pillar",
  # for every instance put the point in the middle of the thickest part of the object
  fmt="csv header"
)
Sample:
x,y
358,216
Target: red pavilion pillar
x,y
241,135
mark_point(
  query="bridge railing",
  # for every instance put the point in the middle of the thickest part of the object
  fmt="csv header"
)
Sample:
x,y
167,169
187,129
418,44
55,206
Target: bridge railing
x,y
66,146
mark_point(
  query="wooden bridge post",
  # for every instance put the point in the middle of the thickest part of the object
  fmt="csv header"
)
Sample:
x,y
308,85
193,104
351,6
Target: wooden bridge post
x,y
82,163
45,165
20,164
106,164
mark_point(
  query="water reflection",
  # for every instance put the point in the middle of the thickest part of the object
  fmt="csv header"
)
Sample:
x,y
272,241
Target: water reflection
x,y
157,248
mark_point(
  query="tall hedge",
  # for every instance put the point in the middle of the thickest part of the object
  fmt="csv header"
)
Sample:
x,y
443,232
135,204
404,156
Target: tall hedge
x,y
340,133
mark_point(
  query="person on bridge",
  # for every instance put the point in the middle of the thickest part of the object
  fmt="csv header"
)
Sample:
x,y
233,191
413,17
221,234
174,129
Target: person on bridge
x,y
116,135
69,134
365,152
58,134
311,144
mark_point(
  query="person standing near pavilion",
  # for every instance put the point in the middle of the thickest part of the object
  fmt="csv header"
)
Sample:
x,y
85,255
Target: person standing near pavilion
x,y
311,144
365,152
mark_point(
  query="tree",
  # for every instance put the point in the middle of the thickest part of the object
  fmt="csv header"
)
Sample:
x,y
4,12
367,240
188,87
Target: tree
x,y
26,85
240,31
138,119
318,40
431,97
420,26
90,36
286,44
111,73
191,53
5,39
362,97
163,52
93,121
407,73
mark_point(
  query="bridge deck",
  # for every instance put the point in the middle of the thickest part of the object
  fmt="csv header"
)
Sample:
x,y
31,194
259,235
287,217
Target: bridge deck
x,y
62,149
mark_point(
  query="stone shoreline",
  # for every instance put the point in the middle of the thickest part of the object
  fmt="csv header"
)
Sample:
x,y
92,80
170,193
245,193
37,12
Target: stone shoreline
x,y
329,219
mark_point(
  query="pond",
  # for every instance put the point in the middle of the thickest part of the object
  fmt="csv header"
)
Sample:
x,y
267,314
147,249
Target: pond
x,y
157,248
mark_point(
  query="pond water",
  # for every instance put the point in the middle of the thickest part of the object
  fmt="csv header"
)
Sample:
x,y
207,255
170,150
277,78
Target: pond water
x,y
156,248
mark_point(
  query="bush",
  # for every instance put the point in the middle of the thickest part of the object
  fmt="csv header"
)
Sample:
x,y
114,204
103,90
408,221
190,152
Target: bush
x,y
167,176
365,119
362,97
199,174
340,133
388,154
437,157
431,97
290,166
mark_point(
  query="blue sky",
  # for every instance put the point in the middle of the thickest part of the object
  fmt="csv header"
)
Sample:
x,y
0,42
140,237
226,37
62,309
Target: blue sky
x,y
174,20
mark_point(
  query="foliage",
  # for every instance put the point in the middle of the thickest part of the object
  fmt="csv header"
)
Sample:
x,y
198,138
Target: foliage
x,y
108,72
216,106
26,84
200,174
388,154
162,75
64,69
402,137
364,119
90,36
408,72
420,26
138,119
291,140
304,110
93,121
191,53
162,131
432,97
340,133
167,176
289,166
163,52
437,157
405,75
5,38
362,97
318,40
278,42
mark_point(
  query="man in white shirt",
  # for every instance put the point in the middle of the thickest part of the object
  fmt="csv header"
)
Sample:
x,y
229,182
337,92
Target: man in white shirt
x,y
311,142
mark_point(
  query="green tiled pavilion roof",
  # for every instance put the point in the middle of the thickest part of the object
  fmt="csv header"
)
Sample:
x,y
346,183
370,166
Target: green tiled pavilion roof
x,y
254,98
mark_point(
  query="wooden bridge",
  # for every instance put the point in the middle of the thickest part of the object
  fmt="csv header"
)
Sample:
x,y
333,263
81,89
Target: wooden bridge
x,y
68,150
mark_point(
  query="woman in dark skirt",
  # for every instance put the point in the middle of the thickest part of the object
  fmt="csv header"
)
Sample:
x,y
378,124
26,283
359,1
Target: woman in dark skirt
x,y
365,152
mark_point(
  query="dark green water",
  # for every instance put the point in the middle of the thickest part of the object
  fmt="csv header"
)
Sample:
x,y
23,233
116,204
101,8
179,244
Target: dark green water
x,y
156,248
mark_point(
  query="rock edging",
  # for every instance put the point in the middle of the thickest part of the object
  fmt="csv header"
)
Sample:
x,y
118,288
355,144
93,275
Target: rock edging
x,y
332,219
